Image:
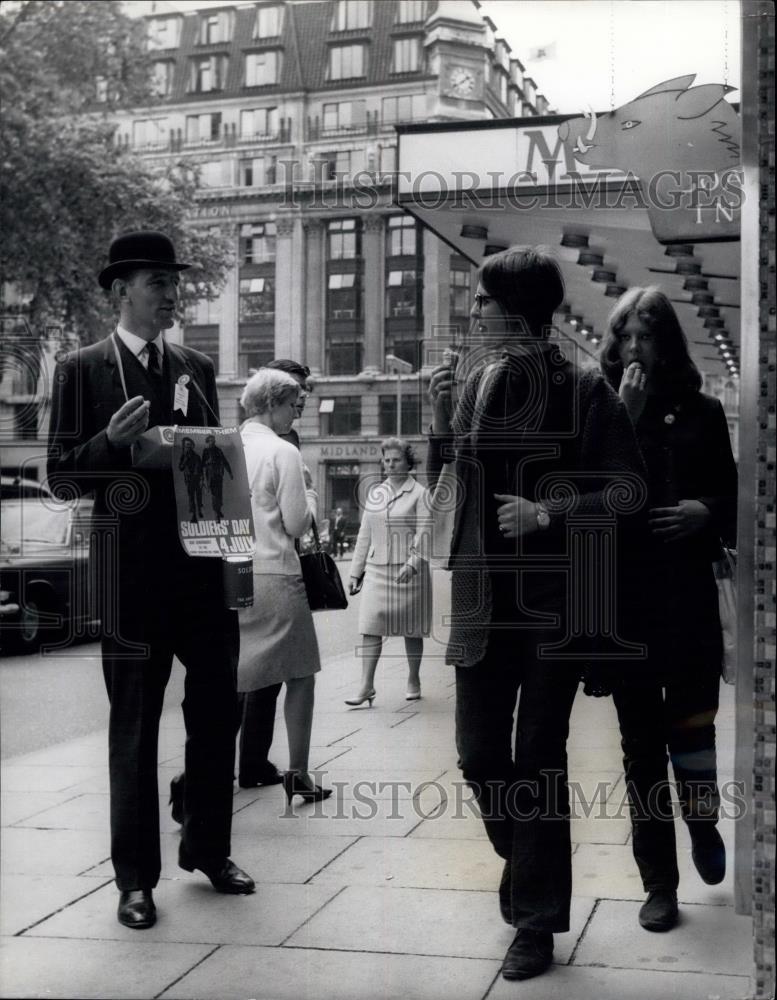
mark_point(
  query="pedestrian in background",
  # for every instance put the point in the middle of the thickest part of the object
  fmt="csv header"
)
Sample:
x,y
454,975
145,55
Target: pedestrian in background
x,y
671,704
278,639
390,566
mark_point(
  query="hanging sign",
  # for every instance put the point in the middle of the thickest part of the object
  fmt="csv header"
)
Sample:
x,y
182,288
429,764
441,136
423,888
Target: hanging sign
x,y
682,143
211,492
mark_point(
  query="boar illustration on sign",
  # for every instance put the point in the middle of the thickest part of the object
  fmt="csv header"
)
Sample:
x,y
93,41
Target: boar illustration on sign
x,y
682,143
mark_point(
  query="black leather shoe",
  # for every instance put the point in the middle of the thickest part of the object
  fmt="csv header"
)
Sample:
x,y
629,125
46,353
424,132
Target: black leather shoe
x,y
136,908
708,852
529,955
176,798
659,911
505,886
224,874
267,775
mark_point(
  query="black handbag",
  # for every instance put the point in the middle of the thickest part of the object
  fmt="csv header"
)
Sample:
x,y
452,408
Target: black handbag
x,y
323,585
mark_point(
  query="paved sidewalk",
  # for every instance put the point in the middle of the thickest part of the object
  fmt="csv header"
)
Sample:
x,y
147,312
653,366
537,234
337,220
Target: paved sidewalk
x,y
383,891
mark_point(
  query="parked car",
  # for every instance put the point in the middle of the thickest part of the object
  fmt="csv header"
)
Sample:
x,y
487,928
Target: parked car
x,y
44,571
16,487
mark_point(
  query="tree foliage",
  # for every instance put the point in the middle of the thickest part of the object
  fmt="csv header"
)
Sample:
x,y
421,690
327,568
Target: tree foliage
x,y
66,187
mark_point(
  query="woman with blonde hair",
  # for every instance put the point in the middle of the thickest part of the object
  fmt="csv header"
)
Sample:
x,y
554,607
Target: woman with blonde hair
x,y
389,566
277,637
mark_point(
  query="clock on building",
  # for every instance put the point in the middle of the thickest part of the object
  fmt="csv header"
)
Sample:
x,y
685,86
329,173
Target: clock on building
x,y
461,82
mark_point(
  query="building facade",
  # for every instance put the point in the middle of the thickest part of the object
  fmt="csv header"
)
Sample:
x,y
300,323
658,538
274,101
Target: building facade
x,y
288,110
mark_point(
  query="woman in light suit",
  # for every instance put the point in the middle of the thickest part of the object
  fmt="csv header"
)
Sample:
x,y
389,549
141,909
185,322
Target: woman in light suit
x,y
397,598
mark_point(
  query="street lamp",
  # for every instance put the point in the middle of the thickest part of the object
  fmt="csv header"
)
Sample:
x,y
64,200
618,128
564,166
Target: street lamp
x,y
396,366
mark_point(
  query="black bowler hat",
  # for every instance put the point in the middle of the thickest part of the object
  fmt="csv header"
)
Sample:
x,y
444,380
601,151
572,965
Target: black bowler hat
x,y
144,248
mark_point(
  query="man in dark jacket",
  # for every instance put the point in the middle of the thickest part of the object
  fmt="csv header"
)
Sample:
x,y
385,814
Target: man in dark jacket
x,y
154,600
214,465
547,465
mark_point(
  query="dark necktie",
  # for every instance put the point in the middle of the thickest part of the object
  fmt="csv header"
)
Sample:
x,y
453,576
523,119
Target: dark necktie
x,y
154,361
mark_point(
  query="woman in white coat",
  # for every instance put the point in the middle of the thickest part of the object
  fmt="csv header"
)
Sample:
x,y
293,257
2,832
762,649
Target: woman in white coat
x,y
387,563
277,637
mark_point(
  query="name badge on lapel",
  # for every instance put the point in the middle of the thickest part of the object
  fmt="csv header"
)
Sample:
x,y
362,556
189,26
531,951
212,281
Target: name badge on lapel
x,y
181,396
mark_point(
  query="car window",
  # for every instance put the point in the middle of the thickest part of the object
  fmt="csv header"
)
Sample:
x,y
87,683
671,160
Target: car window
x,y
32,522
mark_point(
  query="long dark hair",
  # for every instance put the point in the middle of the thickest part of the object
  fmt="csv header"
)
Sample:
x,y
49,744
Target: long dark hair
x,y
528,284
675,371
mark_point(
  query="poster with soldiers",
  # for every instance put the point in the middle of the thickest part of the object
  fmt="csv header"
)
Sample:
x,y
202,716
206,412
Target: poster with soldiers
x,y
211,492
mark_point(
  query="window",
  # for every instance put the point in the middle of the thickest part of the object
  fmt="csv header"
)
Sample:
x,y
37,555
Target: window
x,y
330,166
258,123
343,300
388,159
406,55
216,173
401,293
257,171
269,22
257,299
162,77
255,347
411,414
345,418
164,33
203,128
149,132
216,27
205,339
401,237
203,312
262,68
343,239
257,242
411,11
459,291
351,14
402,109
207,73
344,115
346,62
406,345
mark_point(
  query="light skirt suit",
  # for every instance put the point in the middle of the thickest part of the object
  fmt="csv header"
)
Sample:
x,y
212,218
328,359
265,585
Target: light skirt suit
x,y
277,636
395,530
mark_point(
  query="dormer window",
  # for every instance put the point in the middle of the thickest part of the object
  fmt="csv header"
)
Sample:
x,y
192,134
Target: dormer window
x,y
269,22
351,14
406,55
162,77
216,27
262,68
347,62
164,32
207,73
410,12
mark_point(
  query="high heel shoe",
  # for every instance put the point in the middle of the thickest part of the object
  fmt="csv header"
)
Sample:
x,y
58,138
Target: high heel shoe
x,y
293,785
413,695
355,702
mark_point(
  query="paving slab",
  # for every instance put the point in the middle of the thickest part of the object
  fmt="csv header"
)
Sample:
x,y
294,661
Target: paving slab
x,y
26,899
565,982
88,811
300,974
423,922
336,816
276,858
19,806
402,756
52,852
52,777
706,939
192,912
93,970
411,862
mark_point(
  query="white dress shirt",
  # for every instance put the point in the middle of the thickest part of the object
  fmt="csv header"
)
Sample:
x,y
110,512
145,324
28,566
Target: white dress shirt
x,y
137,345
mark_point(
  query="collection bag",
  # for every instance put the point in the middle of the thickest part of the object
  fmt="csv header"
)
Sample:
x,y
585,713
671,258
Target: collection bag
x,y
725,570
324,588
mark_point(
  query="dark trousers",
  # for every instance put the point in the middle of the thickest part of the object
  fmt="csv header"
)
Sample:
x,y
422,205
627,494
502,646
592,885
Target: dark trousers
x,y
678,718
208,649
256,730
523,798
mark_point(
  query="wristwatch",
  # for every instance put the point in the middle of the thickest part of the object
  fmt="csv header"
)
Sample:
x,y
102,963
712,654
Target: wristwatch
x,y
543,517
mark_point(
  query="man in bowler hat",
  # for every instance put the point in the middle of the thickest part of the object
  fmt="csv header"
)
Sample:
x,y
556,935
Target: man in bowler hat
x,y
154,600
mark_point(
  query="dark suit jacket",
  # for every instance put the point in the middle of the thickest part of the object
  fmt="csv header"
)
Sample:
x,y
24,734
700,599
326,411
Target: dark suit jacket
x,y
138,564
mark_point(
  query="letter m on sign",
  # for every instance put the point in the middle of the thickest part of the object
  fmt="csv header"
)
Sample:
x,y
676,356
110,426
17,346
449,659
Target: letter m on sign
x,y
538,145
